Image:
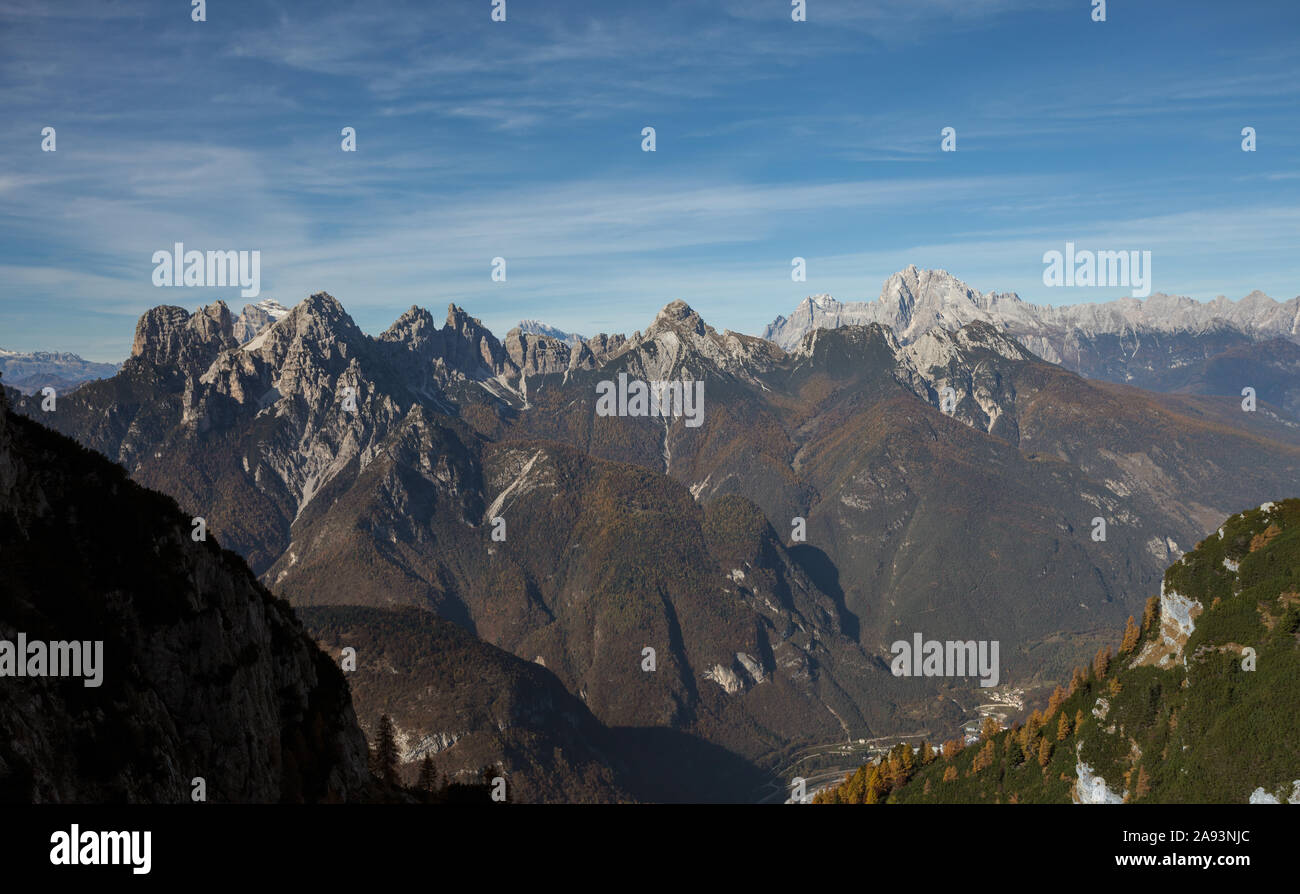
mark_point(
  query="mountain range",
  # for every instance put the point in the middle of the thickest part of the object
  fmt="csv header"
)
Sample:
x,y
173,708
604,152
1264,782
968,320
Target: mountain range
x,y
30,372
948,482
1163,343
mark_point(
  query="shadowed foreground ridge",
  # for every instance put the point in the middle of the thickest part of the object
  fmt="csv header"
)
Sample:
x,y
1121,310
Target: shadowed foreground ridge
x,y
204,672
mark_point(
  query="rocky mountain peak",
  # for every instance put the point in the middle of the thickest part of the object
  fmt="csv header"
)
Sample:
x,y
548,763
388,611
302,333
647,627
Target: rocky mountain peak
x,y
820,305
535,353
415,328
304,353
170,336
913,300
470,344
680,316
322,306
679,344
319,319
814,312
460,320
601,346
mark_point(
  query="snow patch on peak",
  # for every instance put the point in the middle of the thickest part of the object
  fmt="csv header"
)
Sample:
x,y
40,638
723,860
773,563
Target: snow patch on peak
x,y
537,327
272,308
914,301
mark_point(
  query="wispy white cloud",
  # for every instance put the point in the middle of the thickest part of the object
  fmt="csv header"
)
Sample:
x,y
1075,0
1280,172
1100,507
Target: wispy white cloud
x,y
521,140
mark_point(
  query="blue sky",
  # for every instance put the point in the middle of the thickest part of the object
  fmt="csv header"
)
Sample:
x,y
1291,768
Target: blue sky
x,y
522,139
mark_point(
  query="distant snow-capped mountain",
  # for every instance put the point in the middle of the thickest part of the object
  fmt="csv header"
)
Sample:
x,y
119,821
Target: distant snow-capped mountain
x,y
257,317
1163,343
914,301
30,372
536,327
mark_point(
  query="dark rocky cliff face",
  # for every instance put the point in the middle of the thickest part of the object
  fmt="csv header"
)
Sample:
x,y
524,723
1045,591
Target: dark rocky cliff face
x,y
204,672
467,704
